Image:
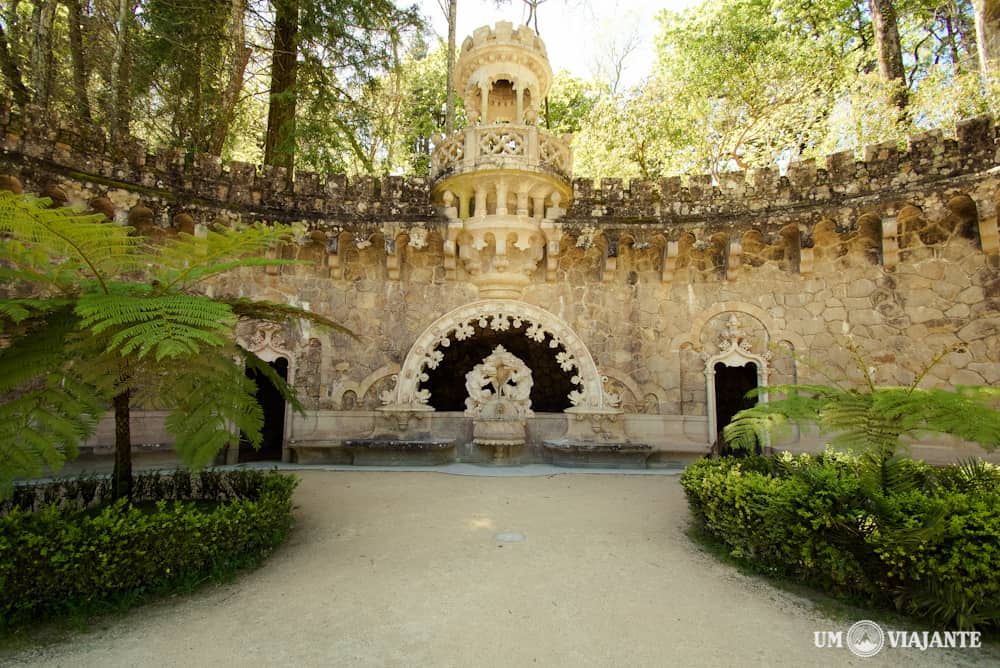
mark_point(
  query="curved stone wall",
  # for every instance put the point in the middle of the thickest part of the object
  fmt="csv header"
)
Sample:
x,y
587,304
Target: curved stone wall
x,y
898,250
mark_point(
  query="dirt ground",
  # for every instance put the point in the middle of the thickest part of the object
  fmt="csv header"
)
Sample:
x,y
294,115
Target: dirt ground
x,y
429,569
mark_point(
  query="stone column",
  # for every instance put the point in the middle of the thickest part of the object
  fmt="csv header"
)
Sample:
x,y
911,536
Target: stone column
x,y
522,201
538,206
501,198
463,204
480,202
519,96
484,95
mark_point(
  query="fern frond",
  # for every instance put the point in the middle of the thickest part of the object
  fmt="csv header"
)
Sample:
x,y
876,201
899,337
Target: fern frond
x,y
183,261
273,312
252,362
63,244
18,315
170,325
46,411
211,410
874,420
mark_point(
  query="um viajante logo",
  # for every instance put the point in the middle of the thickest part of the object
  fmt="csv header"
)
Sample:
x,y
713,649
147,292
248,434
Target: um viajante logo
x,y
865,638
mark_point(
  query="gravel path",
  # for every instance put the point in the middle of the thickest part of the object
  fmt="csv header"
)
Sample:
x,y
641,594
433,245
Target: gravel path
x,y
407,569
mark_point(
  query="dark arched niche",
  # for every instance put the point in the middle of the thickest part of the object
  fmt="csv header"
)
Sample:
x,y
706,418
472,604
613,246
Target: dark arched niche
x,y
552,385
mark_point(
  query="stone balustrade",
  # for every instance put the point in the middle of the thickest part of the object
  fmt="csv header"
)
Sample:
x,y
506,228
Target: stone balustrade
x,y
502,146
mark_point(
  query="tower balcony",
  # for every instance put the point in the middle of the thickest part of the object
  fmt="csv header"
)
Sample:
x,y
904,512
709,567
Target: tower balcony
x,y
503,188
503,146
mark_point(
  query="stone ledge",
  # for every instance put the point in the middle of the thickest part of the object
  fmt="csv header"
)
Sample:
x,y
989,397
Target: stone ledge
x,y
388,451
319,453
584,454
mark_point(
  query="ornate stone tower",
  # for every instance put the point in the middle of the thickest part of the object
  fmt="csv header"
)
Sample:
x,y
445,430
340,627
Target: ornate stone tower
x,y
502,182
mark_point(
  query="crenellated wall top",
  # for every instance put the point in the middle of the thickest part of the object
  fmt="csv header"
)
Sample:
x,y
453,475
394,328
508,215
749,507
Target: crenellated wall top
x,y
884,173
49,147
504,33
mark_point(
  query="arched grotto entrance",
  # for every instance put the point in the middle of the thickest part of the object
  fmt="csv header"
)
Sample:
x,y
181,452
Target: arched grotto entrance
x,y
510,320
552,385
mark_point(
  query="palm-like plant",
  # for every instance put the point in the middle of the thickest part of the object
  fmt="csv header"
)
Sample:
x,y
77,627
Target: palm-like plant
x,y
92,314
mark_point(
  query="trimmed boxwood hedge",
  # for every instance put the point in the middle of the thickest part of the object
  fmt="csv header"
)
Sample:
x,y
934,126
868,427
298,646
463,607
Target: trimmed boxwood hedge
x,y
925,541
66,556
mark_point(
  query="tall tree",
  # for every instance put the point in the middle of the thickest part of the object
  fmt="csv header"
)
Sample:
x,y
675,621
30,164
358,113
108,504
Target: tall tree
x,y
78,57
120,102
614,50
752,90
42,21
341,48
987,13
888,47
279,142
238,59
450,9
532,8
11,71
193,58
422,91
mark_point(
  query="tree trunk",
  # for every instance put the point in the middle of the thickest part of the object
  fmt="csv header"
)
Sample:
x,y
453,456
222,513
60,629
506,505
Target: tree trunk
x,y
449,113
78,58
239,58
279,143
119,115
42,19
12,73
888,47
988,40
121,478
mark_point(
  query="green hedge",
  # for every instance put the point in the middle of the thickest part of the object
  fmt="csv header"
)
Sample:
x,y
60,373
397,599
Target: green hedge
x,y
61,559
180,484
903,534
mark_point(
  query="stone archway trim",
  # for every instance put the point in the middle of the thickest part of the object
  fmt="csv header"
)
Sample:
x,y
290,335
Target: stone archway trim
x,y
702,319
626,380
362,388
267,341
498,314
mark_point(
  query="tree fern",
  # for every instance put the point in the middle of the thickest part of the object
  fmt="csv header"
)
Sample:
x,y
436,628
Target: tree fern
x,y
46,410
876,419
873,419
251,309
167,325
99,315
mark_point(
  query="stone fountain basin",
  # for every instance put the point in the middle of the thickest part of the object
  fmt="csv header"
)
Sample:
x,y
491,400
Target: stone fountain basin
x,y
499,431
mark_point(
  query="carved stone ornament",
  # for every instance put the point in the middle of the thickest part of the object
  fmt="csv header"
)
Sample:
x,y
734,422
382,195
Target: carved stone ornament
x,y
499,387
267,341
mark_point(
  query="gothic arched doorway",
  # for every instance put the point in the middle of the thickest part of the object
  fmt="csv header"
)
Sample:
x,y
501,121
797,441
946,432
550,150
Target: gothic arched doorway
x,y
273,404
731,386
